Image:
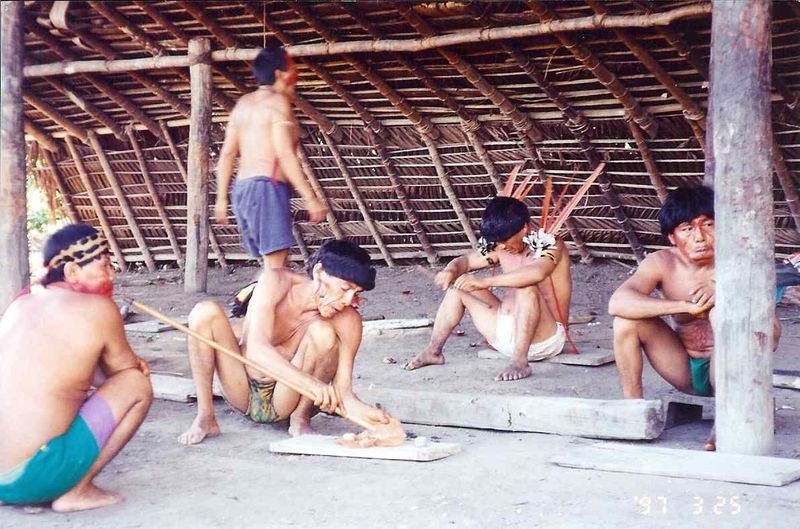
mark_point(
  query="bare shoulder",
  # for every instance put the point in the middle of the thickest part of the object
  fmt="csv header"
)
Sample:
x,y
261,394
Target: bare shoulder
x,y
346,320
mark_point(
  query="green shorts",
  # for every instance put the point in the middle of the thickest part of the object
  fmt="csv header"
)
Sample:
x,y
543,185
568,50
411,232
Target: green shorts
x,y
260,408
54,469
701,377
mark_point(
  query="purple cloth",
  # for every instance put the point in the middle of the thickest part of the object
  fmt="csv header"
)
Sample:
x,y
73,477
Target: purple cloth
x,y
99,418
263,213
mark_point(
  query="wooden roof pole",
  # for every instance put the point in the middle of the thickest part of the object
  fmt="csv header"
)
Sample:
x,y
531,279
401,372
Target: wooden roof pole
x,y
151,189
41,137
129,106
463,218
469,123
329,127
420,122
224,101
305,163
176,155
787,183
521,122
52,166
400,190
577,238
362,206
51,112
642,117
691,110
105,225
87,107
301,243
649,161
130,216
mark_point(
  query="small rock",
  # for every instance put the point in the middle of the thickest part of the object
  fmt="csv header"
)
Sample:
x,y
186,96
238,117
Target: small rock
x,y
33,509
389,360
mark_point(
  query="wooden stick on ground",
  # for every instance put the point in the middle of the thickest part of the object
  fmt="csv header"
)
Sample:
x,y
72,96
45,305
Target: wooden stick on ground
x,y
306,393
430,274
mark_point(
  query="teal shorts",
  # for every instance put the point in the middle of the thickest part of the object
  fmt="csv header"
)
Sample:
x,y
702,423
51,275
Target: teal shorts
x,y
62,462
701,377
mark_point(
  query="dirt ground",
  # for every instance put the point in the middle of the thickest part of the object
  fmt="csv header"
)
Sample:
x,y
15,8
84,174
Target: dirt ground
x,y
501,479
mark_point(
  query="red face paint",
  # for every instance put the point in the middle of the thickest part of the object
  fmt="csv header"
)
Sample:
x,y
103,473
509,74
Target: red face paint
x,y
695,239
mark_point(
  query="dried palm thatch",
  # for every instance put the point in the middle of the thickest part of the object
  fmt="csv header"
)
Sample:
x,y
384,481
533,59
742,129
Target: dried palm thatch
x,y
413,115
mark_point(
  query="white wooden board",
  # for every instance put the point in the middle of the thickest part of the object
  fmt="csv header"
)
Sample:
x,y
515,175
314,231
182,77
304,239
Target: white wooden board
x,y
152,326
326,445
786,381
586,357
694,464
378,327
602,419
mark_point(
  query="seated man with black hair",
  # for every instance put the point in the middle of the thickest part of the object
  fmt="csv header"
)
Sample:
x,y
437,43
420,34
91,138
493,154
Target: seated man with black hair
x,y
303,329
528,324
680,351
56,342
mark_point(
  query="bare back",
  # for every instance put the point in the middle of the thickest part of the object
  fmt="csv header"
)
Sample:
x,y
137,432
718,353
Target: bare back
x,y
253,119
50,344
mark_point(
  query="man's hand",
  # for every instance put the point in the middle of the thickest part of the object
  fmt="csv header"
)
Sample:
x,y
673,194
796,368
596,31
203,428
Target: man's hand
x,y
328,399
221,211
444,279
317,211
143,366
703,293
469,283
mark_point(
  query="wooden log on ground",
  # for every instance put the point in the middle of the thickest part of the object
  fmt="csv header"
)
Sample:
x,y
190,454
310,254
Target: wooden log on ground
x,y
742,143
676,463
14,271
196,271
602,419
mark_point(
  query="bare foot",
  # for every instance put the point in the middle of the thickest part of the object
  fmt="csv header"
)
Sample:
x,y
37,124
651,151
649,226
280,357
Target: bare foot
x,y
85,497
199,430
711,442
514,372
298,427
425,358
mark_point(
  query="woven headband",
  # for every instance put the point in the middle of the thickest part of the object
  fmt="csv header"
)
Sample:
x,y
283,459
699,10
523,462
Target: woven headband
x,y
83,251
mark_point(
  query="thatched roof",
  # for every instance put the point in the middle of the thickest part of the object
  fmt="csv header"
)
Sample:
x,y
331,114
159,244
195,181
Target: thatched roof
x,y
406,146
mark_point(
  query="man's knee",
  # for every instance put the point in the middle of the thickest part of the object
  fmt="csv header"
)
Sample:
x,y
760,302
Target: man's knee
x,y
133,385
203,313
322,335
625,327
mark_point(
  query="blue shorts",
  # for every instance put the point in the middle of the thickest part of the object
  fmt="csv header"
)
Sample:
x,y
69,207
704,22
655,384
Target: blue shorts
x,y
263,213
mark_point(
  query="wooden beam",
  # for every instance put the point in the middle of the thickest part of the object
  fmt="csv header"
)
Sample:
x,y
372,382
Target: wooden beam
x,y
642,117
132,30
123,101
400,191
742,142
594,418
41,137
52,166
176,156
80,102
130,216
647,157
383,45
305,163
362,206
301,243
521,122
51,112
151,189
452,196
105,225
574,232
328,126
14,272
196,271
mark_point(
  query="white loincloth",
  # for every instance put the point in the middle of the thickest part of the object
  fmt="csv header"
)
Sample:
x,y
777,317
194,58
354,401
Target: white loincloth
x,y
504,340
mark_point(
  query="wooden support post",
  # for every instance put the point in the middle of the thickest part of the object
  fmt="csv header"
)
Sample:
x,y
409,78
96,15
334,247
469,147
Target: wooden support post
x,y
647,158
362,206
196,272
108,232
127,211
52,166
743,322
400,191
14,271
452,196
318,190
151,189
